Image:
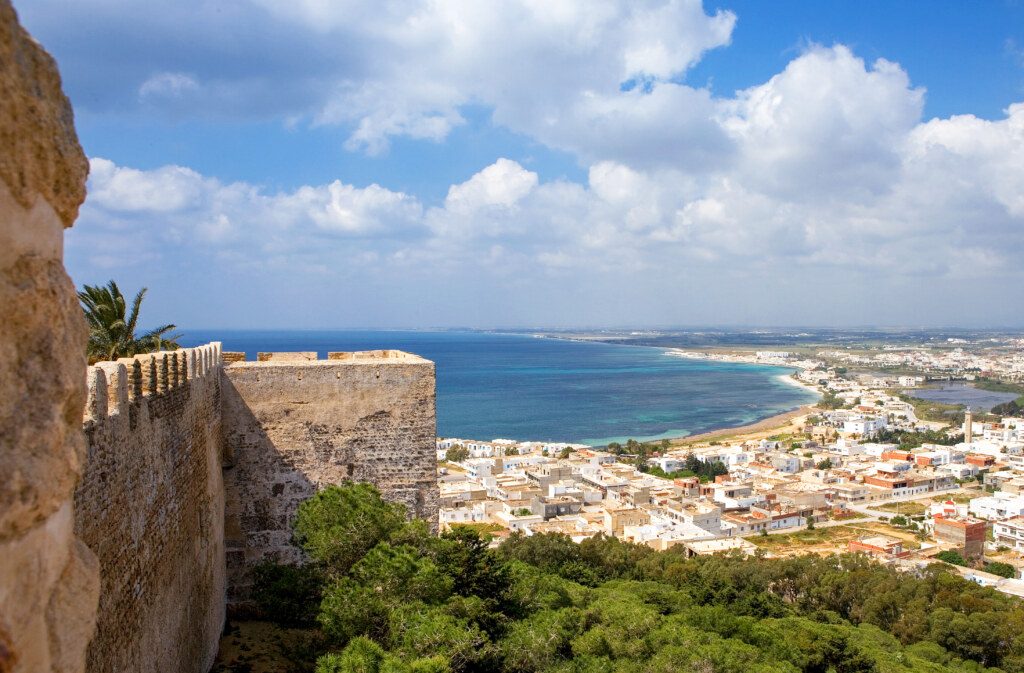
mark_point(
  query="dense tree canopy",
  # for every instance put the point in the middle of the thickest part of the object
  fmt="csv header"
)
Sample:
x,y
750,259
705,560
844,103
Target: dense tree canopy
x,y
397,599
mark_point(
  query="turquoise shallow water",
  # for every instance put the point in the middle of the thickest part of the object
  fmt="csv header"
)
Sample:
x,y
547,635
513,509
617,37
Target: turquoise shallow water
x,y
527,388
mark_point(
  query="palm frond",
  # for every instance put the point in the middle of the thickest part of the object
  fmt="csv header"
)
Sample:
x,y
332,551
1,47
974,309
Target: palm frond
x,y
112,326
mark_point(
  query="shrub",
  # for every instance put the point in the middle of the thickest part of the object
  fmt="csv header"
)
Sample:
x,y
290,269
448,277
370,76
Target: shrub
x,y
1001,569
287,594
340,524
416,603
951,557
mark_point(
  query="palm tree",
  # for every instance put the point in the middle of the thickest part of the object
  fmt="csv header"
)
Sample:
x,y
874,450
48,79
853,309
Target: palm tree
x,y
112,332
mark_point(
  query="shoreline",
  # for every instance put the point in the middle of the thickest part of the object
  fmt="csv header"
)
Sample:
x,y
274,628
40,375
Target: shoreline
x,y
776,422
789,380
765,425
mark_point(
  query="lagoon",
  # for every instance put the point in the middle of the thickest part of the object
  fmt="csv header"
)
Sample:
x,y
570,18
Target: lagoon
x,y
963,393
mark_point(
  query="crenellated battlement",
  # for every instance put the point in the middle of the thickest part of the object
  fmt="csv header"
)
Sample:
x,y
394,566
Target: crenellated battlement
x,y
112,386
150,505
196,463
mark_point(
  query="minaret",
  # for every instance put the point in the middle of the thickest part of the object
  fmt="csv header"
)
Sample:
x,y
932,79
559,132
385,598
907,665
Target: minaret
x,y
968,426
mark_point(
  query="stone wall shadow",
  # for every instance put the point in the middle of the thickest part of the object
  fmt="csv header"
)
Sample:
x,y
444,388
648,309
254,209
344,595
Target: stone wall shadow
x,y
263,490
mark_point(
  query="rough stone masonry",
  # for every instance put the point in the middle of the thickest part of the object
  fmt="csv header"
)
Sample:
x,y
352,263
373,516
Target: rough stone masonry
x,y
150,505
49,579
196,464
293,425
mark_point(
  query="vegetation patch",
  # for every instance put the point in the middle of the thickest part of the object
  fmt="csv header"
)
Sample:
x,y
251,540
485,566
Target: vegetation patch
x,y
396,599
912,508
480,528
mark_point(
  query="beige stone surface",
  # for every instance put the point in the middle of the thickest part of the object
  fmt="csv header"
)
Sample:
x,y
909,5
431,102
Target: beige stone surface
x,y
293,427
48,579
286,357
41,156
151,506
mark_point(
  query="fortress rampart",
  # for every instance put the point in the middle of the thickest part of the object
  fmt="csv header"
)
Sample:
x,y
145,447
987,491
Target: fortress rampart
x,y
293,424
150,505
196,464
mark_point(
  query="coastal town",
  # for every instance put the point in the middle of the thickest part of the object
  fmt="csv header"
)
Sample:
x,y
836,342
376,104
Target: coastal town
x,y
869,468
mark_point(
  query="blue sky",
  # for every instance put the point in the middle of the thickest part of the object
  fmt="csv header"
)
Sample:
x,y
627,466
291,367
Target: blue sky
x,y
339,164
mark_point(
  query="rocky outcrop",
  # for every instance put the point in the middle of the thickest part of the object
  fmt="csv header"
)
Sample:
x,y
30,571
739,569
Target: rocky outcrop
x,y
49,582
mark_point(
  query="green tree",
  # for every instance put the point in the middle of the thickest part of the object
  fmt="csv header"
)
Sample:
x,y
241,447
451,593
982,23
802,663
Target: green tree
x,y
950,556
287,594
387,577
362,655
456,453
824,464
548,552
830,400
340,524
418,630
112,325
1001,569
475,570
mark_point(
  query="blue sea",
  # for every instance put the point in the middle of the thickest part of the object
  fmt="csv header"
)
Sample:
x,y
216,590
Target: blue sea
x,y
529,388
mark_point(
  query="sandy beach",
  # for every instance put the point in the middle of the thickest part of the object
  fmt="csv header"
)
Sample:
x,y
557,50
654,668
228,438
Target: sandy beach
x,y
789,380
759,430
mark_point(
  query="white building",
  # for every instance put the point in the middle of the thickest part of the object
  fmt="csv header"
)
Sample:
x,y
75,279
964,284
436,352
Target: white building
x,y
668,463
865,426
998,506
786,462
1010,532
960,470
475,513
845,447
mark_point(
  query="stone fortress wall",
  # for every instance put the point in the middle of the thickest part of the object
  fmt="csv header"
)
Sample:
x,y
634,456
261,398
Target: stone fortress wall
x,y
196,463
150,505
126,511
294,424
